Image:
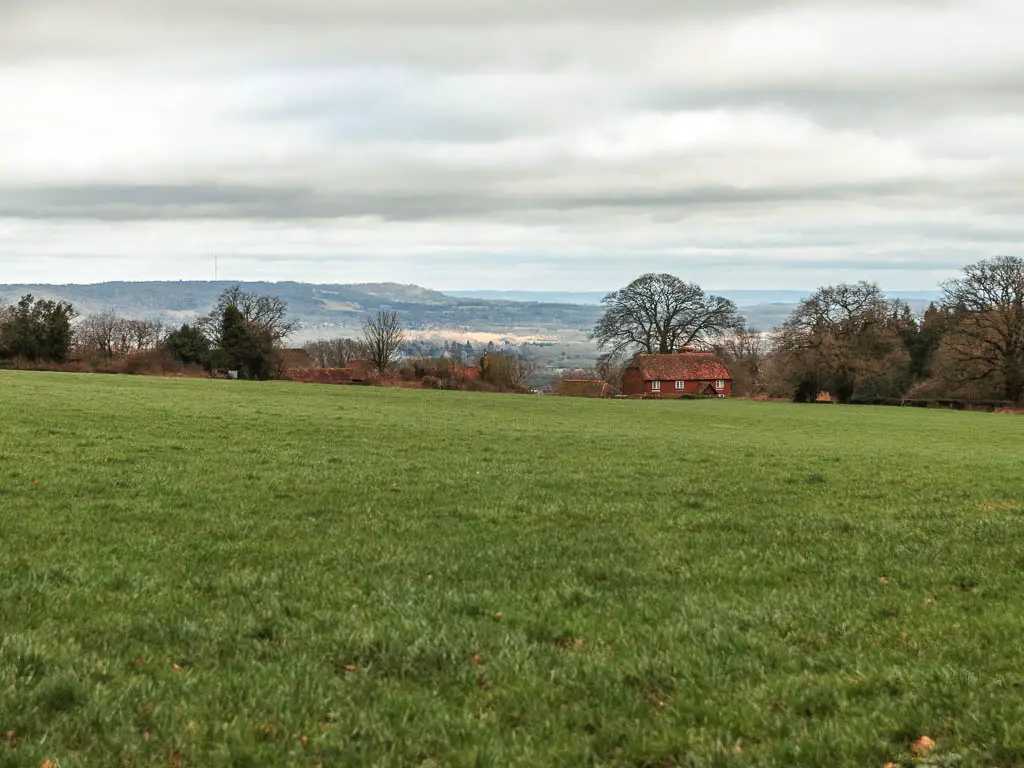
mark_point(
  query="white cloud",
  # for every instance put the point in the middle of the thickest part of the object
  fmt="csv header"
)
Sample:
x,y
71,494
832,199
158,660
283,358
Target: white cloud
x,y
465,146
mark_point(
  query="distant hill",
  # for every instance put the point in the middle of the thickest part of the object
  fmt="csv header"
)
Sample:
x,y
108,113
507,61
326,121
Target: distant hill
x,y
762,309
321,308
747,298
560,297
316,305
742,298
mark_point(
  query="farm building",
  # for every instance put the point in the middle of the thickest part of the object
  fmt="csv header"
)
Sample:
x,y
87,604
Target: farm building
x,y
584,388
689,373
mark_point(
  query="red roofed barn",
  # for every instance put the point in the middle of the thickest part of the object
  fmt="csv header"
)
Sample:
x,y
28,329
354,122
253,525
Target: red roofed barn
x,y
690,373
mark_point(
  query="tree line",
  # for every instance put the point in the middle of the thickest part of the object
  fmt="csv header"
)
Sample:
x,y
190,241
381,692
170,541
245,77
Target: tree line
x,y
243,333
848,340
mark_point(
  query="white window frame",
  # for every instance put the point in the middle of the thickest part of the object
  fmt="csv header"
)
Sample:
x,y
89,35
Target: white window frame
x,y
720,385
655,386
680,386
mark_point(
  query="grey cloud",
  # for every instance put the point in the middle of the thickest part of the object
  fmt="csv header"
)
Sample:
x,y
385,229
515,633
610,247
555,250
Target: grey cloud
x,y
562,122
230,202
126,202
413,29
400,12
894,103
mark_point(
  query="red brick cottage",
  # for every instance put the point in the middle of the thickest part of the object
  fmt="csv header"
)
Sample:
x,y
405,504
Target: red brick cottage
x,y
690,373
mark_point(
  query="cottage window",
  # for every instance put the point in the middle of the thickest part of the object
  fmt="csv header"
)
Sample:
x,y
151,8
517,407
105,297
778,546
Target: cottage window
x,y
719,384
680,385
655,386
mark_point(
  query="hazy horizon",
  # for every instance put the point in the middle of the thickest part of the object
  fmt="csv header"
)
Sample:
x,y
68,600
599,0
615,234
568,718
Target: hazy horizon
x,y
484,293
737,277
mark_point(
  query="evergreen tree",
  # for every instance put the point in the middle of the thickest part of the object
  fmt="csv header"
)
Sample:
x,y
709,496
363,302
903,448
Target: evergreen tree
x,y
923,339
244,347
189,345
234,339
37,329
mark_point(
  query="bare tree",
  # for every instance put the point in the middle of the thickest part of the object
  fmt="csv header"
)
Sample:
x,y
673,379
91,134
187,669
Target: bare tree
x,y
108,335
521,370
747,345
383,337
845,339
746,351
334,353
662,314
141,335
100,334
986,341
266,315
508,371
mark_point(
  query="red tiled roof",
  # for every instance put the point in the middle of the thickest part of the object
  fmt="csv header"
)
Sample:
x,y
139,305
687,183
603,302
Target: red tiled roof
x,y
687,366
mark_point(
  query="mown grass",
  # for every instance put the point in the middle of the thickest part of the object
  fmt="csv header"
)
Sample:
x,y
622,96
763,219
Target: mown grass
x,y
208,573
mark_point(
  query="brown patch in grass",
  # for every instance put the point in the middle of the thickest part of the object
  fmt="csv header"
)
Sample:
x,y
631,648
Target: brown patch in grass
x,y
1006,506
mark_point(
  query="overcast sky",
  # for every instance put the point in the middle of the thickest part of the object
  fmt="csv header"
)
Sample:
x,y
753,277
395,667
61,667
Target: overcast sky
x,y
534,144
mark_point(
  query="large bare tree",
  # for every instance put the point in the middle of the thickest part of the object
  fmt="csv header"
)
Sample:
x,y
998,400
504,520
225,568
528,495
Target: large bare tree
x,y
986,341
383,338
659,313
266,315
845,339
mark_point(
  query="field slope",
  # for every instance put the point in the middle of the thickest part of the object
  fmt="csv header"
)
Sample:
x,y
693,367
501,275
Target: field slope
x,y
202,573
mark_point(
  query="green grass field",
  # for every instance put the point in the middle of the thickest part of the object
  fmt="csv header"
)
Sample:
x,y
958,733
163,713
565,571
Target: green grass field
x,y
204,573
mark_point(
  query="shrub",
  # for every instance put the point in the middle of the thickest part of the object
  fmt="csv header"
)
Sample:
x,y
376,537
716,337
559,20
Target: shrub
x,y
508,372
443,372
